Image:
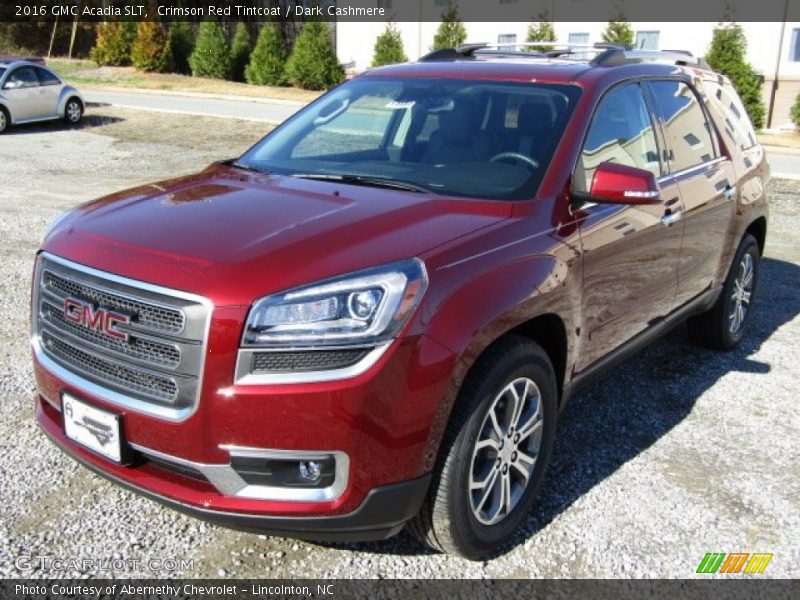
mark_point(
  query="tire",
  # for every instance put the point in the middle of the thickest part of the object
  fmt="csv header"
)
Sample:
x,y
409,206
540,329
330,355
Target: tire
x,y
721,328
5,120
73,111
458,519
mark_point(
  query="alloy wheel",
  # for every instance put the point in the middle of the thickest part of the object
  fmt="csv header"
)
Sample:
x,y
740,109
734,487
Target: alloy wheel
x,y
505,452
742,292
74,112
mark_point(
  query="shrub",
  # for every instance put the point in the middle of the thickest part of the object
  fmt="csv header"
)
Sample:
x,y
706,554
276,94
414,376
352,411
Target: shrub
x,y
240,51
618,32
796,112
727,56
313,64
212,54
113,44
181,42
542,31
389,47
268,61
451,32
151,50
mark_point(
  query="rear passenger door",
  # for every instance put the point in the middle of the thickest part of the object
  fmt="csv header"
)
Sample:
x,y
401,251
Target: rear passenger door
x,y
706,181
630,252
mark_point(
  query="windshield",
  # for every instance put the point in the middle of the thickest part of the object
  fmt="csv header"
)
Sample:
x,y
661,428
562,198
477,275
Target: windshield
x,y
462,138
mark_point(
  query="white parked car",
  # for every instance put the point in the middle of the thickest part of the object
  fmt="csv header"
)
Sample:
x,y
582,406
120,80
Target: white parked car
x,y
30,93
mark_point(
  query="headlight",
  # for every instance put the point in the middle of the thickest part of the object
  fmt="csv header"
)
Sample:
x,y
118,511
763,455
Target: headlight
x,y
57,220
362,308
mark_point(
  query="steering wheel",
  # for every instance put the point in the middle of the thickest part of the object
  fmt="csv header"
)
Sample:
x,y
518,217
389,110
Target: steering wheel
x,y
515,156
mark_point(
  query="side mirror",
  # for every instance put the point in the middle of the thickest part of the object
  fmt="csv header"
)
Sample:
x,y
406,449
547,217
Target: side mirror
x,y
620,184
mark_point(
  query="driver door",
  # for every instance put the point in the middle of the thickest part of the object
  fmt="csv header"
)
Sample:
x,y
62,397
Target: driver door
x,y
21,90
630,252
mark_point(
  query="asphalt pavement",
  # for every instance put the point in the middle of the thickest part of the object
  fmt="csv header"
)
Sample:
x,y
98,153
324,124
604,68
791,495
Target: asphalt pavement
x,y
273,111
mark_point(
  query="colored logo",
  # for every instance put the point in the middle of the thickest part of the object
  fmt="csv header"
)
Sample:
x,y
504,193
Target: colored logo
x,y
735,562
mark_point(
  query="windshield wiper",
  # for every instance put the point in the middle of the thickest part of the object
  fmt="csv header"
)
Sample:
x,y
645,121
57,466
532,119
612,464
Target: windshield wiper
x,y
244,167
378,182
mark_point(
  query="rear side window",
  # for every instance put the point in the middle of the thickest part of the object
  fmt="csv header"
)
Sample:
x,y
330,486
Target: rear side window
x,y
736,126
47,78
687,131
621,132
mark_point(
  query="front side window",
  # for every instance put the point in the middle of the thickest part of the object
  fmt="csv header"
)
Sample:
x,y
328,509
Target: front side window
x,y
479,139
24,77
687,132
621,132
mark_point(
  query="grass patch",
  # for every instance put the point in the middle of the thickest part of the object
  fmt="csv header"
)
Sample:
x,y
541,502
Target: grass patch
x,y
86,73
789,139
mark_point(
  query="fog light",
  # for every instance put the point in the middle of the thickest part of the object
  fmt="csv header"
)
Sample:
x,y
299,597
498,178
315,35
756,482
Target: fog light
x,y
310,471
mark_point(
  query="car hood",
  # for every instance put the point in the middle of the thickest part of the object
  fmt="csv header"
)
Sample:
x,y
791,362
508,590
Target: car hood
x,y
233,235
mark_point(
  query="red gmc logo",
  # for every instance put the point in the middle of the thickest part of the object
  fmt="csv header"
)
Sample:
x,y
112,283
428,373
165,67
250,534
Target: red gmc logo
x,y
99,319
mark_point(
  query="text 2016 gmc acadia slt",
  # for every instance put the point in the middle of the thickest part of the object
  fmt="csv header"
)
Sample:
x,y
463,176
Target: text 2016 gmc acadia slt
x,y
373,317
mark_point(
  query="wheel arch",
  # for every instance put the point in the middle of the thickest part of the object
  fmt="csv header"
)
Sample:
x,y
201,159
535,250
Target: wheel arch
x,y
758,229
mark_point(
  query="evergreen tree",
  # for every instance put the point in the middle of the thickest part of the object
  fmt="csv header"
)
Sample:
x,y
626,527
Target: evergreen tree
x,y
389,47
619,32
212,54
268,60
796,112
240,51
542,31
313,64
151,50
727,56
181,42
112,45
451,32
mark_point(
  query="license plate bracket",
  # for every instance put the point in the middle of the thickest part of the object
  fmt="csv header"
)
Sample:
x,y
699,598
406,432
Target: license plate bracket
x,y
95,429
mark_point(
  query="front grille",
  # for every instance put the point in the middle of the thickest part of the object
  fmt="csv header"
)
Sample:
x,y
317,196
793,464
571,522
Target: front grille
x,y
120,377
310,360
155,353
159,364
148,315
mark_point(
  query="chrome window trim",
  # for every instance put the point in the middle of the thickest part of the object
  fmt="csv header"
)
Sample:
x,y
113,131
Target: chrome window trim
x,y
243,376
695,170
175,414
229,483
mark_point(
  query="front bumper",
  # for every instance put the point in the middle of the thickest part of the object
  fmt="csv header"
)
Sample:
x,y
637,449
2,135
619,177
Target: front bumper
x,y
382,514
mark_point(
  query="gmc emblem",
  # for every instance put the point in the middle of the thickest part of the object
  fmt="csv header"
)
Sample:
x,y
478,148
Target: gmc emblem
x,y
99,319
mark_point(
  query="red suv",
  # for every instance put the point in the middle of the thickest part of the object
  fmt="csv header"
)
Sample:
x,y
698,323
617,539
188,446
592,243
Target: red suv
x,y
374,316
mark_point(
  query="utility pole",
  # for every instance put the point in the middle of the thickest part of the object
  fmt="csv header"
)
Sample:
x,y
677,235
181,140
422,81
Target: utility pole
x,y
774,90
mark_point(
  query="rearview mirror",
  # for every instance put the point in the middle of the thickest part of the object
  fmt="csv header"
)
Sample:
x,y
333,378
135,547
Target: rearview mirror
x,y
620,184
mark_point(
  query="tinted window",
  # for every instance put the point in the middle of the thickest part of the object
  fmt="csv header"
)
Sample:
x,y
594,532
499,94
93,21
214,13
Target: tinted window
x,y
621,132
22,78
47,78
688,133
448,136
2,71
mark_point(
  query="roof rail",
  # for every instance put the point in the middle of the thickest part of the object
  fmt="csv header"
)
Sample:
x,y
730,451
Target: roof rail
x,y
468,51
614,56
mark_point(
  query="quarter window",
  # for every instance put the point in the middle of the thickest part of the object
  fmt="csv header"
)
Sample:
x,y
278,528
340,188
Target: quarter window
x,y
621,132
687,131
47,78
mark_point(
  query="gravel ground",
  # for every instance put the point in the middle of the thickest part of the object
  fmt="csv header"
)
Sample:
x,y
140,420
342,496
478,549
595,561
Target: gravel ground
x,y
654,466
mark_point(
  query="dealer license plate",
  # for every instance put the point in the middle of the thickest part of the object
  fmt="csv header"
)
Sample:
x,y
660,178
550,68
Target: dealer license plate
x,y
95,429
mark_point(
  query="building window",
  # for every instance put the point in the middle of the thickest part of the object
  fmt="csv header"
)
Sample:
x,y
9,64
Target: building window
x,y
506,41
441,3
794,53
578,38
647,40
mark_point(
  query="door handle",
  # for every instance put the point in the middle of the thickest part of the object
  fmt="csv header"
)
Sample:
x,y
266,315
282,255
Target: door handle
x,y
671,217
729,192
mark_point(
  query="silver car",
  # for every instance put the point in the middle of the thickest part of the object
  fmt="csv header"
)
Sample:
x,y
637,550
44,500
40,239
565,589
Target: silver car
x,y
30,93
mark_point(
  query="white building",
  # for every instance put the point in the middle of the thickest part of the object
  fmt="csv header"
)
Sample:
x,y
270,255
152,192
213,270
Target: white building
x,y
766,43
